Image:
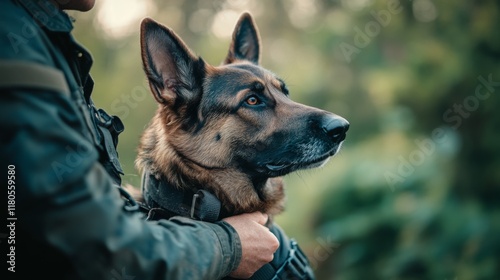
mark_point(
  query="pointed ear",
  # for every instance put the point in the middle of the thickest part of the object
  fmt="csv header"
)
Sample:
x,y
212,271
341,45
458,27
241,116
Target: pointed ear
x,y
246,41
174,73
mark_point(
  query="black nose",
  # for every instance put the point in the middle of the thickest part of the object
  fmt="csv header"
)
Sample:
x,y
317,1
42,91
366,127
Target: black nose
x,y
335,127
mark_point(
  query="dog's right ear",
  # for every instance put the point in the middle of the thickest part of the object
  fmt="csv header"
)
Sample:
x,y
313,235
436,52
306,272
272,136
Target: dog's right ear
x,y
245,44
174,73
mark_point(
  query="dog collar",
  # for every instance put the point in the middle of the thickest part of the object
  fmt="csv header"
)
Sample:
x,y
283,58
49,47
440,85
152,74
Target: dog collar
x,y
163,200
169,201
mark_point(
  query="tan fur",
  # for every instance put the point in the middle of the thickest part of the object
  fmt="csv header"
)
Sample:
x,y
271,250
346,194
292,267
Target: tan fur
x,y
158,155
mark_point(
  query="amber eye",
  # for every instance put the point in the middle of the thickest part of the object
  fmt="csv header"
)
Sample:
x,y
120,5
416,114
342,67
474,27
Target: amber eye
x,y
252,100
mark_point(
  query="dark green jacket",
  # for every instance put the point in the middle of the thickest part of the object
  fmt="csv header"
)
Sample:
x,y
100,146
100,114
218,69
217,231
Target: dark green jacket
x,y
69,217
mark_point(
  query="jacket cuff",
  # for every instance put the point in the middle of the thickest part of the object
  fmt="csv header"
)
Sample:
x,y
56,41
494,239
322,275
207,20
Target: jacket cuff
x,y
230,246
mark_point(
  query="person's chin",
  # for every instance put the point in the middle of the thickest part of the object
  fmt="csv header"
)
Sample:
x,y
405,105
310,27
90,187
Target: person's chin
x,y
77,5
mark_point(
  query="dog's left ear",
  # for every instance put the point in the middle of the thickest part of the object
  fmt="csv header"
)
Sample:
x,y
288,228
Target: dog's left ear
x,y
246,41
175,74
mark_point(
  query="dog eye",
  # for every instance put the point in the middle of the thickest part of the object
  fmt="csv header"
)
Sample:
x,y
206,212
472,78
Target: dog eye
x,y
253,100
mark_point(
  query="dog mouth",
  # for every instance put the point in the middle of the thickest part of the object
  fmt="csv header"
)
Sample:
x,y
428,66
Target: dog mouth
x,y
276,169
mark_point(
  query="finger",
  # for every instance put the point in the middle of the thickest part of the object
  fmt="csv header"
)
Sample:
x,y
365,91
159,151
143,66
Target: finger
x,y
260,218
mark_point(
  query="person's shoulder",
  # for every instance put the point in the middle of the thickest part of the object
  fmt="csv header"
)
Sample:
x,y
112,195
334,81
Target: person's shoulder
x,y
21,38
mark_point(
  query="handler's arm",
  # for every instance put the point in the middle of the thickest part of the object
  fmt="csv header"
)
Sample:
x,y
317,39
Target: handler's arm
x,y
70,220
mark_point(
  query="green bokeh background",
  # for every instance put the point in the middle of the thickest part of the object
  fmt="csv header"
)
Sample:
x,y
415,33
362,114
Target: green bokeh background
x,y
415,191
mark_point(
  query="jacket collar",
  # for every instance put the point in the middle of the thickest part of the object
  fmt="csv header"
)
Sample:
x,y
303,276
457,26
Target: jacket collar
x,y
48,15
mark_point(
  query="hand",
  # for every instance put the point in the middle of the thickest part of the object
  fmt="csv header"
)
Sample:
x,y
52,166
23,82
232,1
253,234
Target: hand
x,y
257,242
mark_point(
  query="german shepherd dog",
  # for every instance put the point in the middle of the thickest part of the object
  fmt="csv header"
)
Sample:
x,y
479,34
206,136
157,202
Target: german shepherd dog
x,y
230,129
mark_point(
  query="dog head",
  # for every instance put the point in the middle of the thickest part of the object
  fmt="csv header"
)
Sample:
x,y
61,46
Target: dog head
x,y
236,118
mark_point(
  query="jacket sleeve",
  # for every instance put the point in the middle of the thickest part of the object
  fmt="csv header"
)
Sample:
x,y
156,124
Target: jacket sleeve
x,y
70,219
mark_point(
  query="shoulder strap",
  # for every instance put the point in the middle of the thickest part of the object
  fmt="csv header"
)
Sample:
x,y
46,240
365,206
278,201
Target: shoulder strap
x,y
24,74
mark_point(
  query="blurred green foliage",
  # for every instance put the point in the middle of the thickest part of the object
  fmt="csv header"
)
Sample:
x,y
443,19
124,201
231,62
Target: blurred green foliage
x,y
414,194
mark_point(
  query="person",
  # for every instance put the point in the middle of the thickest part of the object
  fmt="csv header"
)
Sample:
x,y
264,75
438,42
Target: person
x,y
66,215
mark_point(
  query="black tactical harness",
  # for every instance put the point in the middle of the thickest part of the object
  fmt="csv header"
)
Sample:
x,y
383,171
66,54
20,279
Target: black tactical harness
x,y
162,200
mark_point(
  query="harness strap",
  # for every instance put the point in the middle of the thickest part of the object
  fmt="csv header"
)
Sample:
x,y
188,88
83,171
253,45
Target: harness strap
x,y
110,127
289,262
296,265
23,74
131,205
